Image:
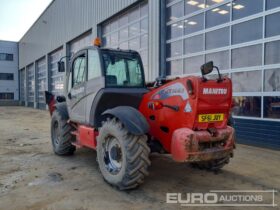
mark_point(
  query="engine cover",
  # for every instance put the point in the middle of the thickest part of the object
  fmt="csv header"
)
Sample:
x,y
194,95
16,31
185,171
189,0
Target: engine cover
x,y
188,102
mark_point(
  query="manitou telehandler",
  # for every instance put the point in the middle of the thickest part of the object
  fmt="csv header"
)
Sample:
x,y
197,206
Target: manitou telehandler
x,y
108,107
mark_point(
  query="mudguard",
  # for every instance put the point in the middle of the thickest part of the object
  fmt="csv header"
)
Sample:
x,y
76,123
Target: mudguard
x,y
50,101
132,119
56,102
62,109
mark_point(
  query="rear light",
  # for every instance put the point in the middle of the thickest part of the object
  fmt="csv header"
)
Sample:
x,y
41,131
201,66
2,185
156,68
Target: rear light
x,y
156,105
190,87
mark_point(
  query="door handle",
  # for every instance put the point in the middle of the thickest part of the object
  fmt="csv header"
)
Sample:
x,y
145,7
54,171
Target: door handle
x,y
69,95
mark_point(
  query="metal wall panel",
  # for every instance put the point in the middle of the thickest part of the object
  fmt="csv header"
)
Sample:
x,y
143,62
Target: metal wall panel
x,y
154,39
41,81
65,20
30,85
57,78
258,133
62,21
22,85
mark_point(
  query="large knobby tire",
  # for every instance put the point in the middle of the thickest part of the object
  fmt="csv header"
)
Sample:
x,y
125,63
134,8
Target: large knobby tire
x,y
123,158
61,134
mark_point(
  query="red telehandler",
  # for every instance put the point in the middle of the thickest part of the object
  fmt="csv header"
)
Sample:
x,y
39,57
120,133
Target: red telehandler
x,y
108,107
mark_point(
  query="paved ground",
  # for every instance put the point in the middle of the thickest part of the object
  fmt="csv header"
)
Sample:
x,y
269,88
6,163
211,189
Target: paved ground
x,y
32,177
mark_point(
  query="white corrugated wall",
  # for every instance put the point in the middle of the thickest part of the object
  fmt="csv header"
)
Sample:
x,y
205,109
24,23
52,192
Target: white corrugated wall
x,y
65,20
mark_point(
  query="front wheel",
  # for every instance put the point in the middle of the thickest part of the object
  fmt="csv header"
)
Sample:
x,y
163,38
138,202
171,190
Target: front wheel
x,y
61,134
123,158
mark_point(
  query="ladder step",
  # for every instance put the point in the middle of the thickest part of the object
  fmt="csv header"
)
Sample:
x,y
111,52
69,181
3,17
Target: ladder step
x,y
75,133
76,145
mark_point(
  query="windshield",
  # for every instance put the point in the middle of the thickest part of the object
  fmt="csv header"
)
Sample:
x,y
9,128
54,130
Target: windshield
x,y
122,70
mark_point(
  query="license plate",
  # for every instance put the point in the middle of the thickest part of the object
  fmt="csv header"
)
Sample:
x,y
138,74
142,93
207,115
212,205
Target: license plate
x,y
210,117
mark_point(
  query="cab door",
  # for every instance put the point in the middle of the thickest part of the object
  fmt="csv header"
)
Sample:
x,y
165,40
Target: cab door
x,y
95,80
76,96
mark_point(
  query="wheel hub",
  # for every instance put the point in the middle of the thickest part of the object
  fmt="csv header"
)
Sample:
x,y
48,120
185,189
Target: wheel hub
x,y
115,153
112,155
56,133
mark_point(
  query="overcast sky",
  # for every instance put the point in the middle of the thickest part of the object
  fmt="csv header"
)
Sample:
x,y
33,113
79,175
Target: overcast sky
x,y
17,16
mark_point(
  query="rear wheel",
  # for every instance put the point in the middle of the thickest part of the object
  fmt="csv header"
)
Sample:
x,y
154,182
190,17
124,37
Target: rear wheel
x,y
61,134
123,158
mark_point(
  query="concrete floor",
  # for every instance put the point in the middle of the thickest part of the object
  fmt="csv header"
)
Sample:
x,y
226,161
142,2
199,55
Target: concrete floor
x,y
32,177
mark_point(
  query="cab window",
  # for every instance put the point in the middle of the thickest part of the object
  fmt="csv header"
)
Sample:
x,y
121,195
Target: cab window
x,y
79,70
94,68
123,70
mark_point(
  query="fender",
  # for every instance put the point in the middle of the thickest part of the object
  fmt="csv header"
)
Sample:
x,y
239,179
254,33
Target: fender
x,y
62,108
132,119
53,101
50,101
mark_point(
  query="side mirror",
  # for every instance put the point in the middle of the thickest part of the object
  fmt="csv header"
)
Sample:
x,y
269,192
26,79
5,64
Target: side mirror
x,y
207,68
61,66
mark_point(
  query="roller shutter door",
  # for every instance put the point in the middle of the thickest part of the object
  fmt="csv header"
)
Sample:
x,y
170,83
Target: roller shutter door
x,y
57,78
42,82
30,85
129,30
22,86
81,42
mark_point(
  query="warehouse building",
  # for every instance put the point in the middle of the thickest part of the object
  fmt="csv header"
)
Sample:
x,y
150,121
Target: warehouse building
x,y
174,37
9,93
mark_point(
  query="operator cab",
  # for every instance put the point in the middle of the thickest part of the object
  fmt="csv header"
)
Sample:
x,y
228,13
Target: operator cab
x,y
122,68
99,79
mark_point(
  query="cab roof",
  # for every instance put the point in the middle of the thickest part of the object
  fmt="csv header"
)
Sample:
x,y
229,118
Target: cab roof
x,y
108,49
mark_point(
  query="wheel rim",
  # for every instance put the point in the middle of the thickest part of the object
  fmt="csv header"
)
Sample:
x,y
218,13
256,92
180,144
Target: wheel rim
x,y
112,155
55,133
